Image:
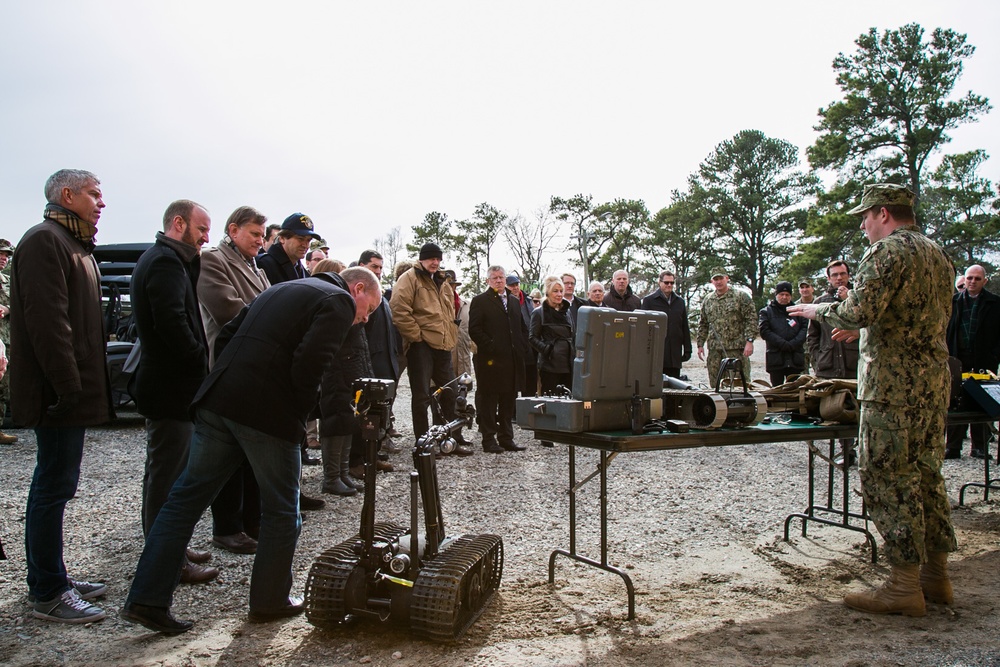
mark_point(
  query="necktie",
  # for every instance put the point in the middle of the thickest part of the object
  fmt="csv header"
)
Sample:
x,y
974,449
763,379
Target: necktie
x,y
503,300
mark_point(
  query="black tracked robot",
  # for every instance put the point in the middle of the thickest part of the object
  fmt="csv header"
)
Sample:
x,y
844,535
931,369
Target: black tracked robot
x,y
439,585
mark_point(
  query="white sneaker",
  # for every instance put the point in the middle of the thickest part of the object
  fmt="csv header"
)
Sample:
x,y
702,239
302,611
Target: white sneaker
x,y
68,608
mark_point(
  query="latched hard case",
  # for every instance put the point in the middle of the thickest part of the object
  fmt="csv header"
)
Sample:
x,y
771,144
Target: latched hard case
x,y
545,413
985,395
616,349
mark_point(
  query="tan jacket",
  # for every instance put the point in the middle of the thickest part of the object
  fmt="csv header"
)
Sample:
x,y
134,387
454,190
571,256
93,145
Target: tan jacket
x,y
424,311
225,285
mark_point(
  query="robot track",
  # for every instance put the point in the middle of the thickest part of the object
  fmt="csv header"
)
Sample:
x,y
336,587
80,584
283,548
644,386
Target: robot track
x,y
331,584
454,587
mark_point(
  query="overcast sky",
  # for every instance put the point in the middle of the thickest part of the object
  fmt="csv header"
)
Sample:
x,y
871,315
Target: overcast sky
x,y
368,115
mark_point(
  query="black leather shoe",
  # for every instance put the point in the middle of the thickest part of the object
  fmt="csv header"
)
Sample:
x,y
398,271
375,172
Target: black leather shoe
x,y
513,447
308,504
978,454
953,453
463,450
198,556
492,448
157,619
294,607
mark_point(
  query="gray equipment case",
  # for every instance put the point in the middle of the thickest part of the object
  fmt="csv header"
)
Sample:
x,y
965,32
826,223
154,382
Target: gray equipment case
x,y
618,355
614,350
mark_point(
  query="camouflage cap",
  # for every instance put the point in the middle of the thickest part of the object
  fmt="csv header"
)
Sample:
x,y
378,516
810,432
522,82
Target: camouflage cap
x,y
883,194
319,244
718,271
5,246
805,280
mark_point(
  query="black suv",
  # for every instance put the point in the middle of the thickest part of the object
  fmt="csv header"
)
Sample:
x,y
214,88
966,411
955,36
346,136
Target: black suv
x,y
116,262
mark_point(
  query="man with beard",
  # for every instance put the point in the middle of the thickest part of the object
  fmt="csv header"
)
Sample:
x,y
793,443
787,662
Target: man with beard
x,y
173,357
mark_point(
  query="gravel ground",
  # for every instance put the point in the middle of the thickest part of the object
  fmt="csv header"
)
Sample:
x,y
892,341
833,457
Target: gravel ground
x,y
698,530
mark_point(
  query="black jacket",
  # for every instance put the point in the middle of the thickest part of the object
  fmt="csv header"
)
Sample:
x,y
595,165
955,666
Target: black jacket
x,y
501,342
677,344
278,266
173,359
627,303
353,361
384,342
551,335
272,356
785,337
986,343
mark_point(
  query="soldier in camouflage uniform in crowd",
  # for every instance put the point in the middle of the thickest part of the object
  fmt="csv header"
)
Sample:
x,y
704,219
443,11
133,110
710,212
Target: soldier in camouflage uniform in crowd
x,y
901,304
6,252
728,323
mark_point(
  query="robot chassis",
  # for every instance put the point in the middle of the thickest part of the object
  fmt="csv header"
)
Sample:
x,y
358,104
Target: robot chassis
x,y
439,585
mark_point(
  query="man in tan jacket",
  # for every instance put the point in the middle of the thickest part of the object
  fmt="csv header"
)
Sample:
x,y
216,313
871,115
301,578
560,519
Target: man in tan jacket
x,y
423,309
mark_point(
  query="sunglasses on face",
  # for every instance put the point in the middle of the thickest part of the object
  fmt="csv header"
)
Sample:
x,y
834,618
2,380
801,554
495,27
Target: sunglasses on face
x,y
667,282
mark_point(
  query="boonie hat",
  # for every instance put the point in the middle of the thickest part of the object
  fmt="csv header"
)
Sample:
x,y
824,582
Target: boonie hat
x,y
5,246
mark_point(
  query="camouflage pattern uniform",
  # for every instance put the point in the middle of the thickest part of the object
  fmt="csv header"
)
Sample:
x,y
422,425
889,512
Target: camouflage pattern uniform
x,y
731,318
901,304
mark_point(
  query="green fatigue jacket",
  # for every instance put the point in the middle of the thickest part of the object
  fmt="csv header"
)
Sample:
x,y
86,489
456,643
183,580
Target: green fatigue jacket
x,y
731,317
901,303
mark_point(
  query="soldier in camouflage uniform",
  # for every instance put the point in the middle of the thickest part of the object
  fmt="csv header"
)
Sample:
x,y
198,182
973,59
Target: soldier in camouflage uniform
x,y
728,323
901,304
6,252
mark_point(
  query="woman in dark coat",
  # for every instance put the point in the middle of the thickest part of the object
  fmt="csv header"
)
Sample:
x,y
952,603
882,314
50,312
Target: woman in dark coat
x,y
551,335
785,336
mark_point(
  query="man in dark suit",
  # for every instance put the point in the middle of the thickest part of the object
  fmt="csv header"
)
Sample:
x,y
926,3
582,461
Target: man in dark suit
x,y
173,358
677,344
974,338
500,335
278,349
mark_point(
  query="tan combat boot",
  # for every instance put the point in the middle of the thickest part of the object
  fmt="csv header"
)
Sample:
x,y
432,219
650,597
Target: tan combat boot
x,y
900,594
7,439
934,579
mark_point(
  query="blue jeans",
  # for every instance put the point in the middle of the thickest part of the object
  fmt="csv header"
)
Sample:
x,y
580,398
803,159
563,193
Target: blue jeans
x,y
217,451
57,473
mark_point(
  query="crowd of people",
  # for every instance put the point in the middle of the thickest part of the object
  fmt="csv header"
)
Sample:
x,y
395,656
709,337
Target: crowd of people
x,y
225,330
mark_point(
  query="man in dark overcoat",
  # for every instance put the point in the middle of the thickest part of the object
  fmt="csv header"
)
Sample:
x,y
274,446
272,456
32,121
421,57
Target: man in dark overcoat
x,y
58,379
173,357
500,335
677,344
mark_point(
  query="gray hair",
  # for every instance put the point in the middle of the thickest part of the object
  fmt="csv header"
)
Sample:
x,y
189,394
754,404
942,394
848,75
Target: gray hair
x,y
74,179
494,268
596,283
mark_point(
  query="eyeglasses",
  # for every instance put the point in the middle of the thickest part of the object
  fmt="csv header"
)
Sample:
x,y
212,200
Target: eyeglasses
x,y
666,282
537,301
